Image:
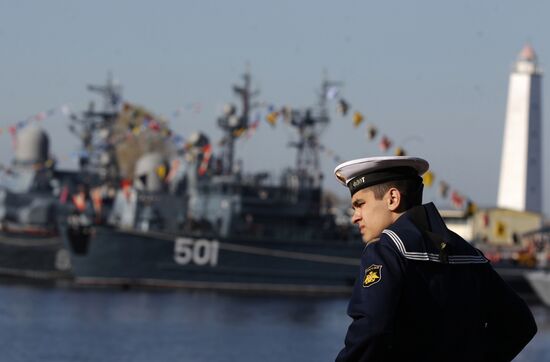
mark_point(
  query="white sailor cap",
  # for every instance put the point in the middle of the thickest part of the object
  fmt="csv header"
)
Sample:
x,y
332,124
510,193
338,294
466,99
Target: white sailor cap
x,y
364,172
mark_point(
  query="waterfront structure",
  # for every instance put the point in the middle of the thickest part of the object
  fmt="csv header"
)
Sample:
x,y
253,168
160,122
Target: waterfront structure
x,y
503,227
520,185
496,226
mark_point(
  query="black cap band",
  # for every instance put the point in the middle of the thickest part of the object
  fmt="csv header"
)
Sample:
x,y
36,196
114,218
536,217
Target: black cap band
x,y
375,178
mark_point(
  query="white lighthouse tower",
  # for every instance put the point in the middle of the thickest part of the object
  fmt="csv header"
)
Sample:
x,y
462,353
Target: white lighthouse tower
x,y
520,186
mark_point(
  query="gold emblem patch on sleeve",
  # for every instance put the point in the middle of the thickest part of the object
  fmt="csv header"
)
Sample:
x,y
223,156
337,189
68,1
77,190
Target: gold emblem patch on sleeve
x,y
373,274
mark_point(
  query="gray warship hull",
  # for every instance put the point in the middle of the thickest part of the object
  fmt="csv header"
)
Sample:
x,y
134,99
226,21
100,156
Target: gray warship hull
x,y
540,282
114,257
33,258
31,248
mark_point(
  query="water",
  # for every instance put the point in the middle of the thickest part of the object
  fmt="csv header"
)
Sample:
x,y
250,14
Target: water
x,y
58,324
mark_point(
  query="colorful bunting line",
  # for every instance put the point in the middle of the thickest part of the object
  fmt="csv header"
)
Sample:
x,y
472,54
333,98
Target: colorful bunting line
x,y
38,117
457,199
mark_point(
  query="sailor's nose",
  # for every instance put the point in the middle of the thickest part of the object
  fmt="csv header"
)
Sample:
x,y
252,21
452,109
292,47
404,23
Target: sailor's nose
x,y
356,216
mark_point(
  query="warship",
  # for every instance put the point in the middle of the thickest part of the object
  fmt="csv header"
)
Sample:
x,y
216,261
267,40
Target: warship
x,y
30,244
34,193
188,218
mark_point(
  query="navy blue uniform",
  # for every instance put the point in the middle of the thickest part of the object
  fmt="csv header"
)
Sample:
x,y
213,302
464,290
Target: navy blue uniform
x,y
425,294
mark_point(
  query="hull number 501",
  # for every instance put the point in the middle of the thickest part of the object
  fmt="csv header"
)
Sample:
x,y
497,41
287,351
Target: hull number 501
x,y
199,252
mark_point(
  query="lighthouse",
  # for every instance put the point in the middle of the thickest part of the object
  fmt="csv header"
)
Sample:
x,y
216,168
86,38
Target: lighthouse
x,y
520,185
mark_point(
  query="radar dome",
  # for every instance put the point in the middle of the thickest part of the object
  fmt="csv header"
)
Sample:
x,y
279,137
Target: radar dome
x,y
150,172
32,146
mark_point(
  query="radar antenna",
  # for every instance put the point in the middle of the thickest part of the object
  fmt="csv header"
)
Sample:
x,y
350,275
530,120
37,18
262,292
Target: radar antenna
x,y
232,124
310,125
95,128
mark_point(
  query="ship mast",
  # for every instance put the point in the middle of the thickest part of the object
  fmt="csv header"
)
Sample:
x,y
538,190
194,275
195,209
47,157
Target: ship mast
x,y
111,93
95,129
232,124
310,126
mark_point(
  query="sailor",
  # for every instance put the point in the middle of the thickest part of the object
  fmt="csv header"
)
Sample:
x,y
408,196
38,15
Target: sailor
x,y
423,293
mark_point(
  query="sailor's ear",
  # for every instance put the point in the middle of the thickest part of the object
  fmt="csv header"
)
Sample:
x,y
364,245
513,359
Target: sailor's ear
x,y
393,199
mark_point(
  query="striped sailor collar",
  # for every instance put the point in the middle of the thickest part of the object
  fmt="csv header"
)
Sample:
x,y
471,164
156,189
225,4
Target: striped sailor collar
x,y
421,233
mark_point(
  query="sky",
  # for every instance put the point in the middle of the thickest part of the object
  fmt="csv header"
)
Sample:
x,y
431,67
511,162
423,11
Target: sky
x,y
431,75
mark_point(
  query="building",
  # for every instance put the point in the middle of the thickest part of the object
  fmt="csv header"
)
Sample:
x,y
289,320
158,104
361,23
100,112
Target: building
x,y
493,226
503,226
460,222
520,185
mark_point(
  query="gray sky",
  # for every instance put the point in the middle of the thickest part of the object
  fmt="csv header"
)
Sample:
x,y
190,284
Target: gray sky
x,y
432,75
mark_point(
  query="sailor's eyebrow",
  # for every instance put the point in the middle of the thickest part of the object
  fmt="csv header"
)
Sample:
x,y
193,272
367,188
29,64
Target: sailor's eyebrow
x,y
357,202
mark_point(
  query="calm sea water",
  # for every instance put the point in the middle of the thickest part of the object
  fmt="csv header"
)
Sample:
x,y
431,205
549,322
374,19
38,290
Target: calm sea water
x,y
61,324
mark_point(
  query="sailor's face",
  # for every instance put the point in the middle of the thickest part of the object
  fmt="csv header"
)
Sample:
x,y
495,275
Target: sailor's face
x,y
371,215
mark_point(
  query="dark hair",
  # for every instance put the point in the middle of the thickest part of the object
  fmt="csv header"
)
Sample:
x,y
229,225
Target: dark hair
x,y
410,189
